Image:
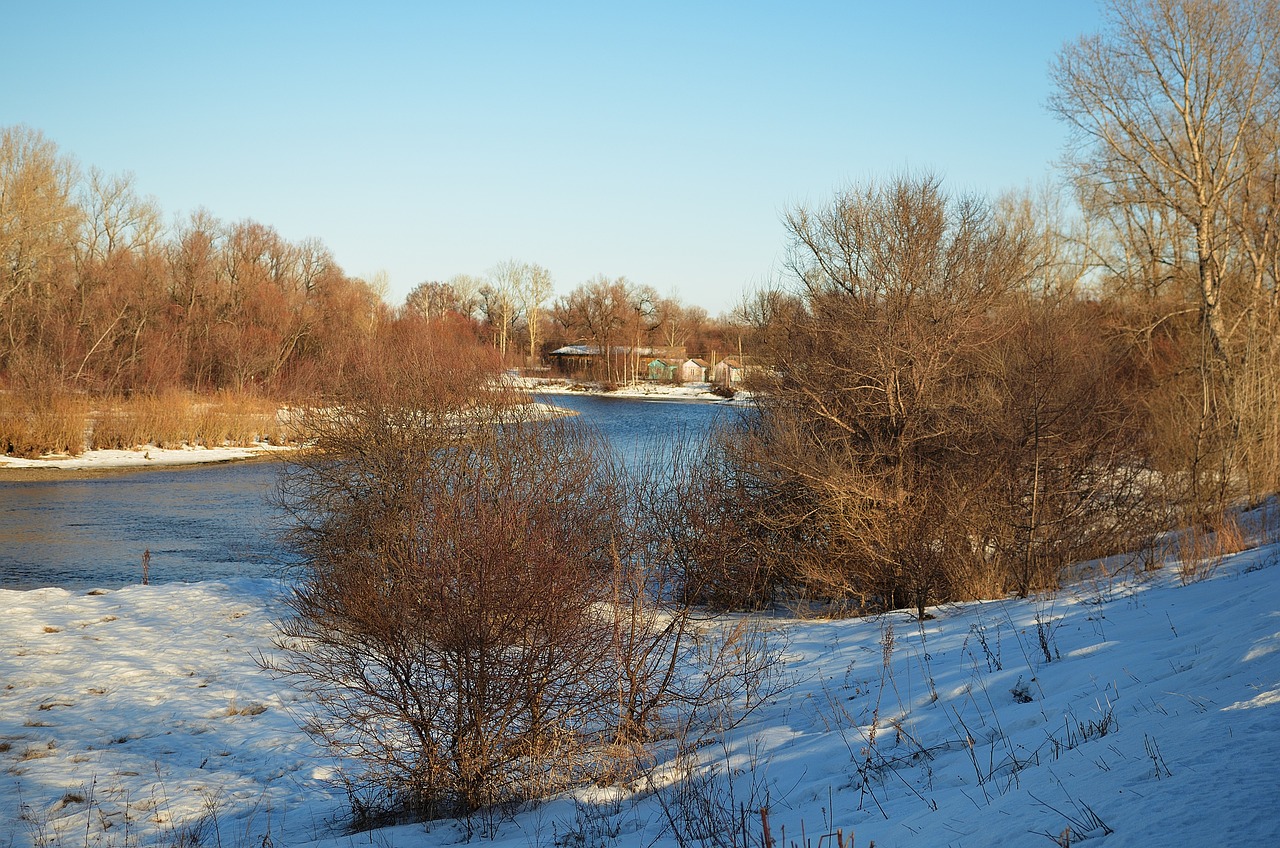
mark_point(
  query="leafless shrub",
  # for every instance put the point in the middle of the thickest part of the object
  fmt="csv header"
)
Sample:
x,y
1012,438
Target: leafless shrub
x,y
714,800
450,616
936,426
725,555
486,610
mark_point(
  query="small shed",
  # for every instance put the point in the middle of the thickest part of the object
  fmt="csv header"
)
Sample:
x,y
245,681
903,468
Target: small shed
x,y
573,359
694,371
664,370
728,372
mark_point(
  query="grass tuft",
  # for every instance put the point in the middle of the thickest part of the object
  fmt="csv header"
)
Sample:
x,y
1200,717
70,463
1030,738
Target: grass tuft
x,y
39,426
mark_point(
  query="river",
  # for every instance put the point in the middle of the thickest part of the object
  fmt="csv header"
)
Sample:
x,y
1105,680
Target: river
x,y
214,522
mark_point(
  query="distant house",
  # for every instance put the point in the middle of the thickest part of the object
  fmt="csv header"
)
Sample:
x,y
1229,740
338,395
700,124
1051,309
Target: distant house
x,y
621,364
574,359
664,370
728,373
694,371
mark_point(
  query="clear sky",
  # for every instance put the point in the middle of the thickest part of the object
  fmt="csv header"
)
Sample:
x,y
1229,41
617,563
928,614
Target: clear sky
x,y
660,141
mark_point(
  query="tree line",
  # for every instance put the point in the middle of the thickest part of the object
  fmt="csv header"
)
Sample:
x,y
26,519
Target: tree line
x,y
515,313
99,295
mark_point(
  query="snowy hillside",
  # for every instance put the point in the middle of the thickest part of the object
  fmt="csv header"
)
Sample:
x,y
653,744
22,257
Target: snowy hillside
x,y
1132,712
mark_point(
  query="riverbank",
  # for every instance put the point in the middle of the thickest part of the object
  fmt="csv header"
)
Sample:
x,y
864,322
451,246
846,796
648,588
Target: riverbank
x,y
700,392
94,462
91,463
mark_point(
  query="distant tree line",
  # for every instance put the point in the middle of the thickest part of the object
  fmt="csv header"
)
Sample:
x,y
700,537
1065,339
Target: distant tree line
x,y
516,314
98,295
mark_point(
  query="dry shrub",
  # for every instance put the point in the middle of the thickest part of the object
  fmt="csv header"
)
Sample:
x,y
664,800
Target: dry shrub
x,y
237,419
456,561
482,614
973,578
37,426
933,429
1203,548
725,556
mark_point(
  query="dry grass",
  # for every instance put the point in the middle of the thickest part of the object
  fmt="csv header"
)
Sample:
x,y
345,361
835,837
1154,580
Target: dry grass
x,y
177,419
34,753
58,425
234,709
1202,549
32,427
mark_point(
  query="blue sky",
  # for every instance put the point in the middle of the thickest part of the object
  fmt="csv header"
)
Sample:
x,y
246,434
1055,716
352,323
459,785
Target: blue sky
x,y
660,141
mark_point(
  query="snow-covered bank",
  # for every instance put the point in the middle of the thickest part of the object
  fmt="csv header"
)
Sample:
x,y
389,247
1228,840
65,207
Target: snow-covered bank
x,y
135,714
145,457
1142,711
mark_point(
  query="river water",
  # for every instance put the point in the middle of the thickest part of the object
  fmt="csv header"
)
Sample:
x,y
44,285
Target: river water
x,y
214,522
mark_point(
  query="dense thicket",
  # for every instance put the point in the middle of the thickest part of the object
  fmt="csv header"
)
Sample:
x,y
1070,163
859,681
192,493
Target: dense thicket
x,y
959,400
932,425
1176,105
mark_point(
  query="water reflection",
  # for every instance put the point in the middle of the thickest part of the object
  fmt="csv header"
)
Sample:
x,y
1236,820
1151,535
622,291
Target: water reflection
x,y
199,523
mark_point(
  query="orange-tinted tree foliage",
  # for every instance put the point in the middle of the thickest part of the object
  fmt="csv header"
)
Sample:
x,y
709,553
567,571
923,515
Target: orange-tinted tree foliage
x,y
97,296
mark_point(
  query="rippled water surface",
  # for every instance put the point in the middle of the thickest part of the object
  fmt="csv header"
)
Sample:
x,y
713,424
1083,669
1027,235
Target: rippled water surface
x,y
206,523
199,524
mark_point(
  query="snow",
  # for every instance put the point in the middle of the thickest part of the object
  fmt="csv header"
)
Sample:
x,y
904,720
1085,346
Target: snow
x,y
146,457
1133,710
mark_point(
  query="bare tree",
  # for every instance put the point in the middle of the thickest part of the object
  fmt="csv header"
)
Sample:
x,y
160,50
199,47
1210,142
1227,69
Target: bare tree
x,y
502,298
431,299
1169,97
1175,102
467,287
534,293
644,317
39,225
597,311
